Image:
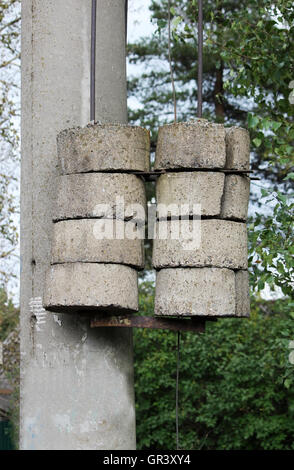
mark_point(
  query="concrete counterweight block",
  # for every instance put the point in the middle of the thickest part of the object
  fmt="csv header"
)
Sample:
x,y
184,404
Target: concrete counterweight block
x,y
195,144
187,190
107,147
242,294
237,148
199,243
83,241
91,286
236,197
197,292
100,195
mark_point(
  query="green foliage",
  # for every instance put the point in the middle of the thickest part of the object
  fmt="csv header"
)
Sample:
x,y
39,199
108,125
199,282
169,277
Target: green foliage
x,y
8,229
9,334
9,132
9,69
259,52
233,392
236,380
8,315
271,245
248,66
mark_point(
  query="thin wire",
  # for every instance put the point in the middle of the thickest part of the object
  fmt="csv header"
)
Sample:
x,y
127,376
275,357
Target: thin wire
x,y
177,390
93,60
126,19
170,64
175,120
200,57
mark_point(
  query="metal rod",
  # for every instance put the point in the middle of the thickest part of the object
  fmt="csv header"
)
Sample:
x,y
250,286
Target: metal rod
x,y
200,57
170,63
126,19
135,321
177,390
93,60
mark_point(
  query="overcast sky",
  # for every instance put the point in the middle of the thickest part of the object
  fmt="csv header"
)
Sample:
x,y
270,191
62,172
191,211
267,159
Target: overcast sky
x,y
139,23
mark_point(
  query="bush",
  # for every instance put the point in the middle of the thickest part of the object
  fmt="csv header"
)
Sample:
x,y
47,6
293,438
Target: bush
x,y
232,392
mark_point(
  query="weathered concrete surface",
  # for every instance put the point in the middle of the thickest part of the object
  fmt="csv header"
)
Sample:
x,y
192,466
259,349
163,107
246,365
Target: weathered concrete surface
x,y
211,242
91,286
195,292
236,197
195,144
76,382
242,294
80,241
103,148
190,188
237,148
99,195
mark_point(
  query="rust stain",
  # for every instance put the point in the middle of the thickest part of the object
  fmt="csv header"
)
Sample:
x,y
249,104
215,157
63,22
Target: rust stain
x,y
5,391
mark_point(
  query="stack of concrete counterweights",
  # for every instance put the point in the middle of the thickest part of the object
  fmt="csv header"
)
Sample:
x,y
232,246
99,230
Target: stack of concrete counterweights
x,y
89,271
211,279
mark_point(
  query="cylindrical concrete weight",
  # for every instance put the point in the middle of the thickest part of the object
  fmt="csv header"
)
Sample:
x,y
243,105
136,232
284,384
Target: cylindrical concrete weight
x,y
192,193
100,195
107,147
242,294
195,144
199,243
90,286
236,197
81,241
197,292
237,148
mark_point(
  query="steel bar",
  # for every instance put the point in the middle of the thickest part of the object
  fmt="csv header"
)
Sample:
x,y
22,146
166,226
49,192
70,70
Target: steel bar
x,y
177,390
200,57
5,391
93,60
126,19
134,321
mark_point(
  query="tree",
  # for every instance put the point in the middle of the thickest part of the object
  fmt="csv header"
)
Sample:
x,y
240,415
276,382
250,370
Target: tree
x,y
9,337
9,119
240,74
232,388
8,315
248,66
236,379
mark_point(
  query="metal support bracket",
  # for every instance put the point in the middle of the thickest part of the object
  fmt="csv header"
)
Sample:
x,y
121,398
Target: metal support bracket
x,y
134,321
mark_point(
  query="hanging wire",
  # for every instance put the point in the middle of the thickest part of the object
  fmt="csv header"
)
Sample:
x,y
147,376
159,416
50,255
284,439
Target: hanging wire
x,y
170,63
200,57
126,19
93,60
177,390
175,120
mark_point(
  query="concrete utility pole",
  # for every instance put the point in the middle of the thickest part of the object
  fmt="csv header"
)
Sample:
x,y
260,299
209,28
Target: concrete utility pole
x,y
76,382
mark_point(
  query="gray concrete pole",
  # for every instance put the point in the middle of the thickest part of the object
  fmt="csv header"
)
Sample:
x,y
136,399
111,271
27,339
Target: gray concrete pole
x,y
76,383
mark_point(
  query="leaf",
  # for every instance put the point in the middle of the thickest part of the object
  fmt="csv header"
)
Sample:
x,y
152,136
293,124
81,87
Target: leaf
x,y
290,176
275,125
257,142
287,383
282,197
252,121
